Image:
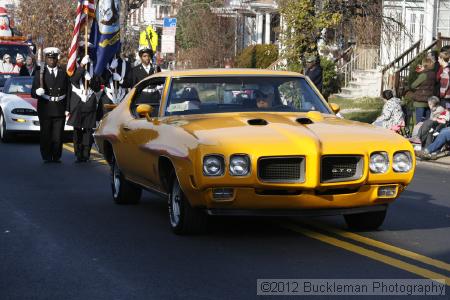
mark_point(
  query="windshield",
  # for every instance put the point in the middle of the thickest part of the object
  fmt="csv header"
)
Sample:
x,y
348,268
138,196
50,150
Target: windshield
x,y
5,77
18,85
12,50
218,94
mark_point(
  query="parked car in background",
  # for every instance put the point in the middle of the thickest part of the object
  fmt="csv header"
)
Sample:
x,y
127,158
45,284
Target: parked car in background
x,y
18,112
249,143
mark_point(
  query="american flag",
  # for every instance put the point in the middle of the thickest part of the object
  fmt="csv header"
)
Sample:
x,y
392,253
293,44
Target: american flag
x,y
84,8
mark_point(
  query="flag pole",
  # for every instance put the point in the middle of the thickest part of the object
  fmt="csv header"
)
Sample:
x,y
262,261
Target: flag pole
x,y
86,46
116,92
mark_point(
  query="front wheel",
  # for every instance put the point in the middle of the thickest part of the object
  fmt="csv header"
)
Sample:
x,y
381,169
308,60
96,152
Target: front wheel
x,y
124,191
5,135
365,221
184,219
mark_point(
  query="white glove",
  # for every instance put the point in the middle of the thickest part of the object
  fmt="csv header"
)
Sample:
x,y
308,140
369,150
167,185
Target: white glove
x,y
40,91
116,77
114,64
87,76
85,60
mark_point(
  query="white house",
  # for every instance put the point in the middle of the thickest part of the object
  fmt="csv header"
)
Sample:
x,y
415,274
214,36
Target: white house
x,y
256,21
422,19
151,12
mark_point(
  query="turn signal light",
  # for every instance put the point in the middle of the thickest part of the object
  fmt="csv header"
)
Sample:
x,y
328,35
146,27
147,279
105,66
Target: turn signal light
x,y
19,120
222,193
387,191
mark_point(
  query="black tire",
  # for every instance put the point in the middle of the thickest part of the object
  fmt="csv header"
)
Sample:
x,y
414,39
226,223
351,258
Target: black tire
x,y
123,191
183,218
365,221
5,135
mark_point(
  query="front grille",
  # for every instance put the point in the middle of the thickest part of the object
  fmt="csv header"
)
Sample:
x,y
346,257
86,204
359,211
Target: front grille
x,y
341,168
281,169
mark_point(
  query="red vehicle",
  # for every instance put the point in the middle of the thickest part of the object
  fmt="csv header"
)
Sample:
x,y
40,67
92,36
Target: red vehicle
x,y
12,46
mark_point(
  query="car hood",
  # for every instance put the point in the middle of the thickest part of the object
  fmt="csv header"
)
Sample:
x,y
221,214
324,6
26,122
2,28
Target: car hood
x,y
291,132
19,101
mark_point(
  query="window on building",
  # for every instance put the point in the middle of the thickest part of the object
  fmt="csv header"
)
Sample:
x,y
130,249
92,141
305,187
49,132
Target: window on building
x,y
421,26
399,42
412,25
443,20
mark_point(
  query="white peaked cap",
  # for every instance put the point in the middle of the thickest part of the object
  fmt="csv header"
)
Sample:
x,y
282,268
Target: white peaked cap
x,y
51,51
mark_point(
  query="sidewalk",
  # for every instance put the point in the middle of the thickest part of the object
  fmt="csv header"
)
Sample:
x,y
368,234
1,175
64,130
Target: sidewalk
x,y
443,159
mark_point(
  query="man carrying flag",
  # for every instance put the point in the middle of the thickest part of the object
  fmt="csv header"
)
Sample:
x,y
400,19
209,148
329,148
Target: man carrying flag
x,y
83,105
85,10
105,36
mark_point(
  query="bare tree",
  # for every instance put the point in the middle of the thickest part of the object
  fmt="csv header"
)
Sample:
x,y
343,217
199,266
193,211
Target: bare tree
x,y
204,38
48,21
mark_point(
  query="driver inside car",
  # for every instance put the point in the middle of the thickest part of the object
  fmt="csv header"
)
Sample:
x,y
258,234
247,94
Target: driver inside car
x,y
263,100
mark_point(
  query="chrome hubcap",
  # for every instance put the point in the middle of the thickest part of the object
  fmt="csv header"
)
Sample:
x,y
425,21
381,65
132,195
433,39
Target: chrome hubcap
x,y
116,179
174,205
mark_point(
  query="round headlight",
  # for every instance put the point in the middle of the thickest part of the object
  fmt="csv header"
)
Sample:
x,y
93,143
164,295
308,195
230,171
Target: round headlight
x,y
402,162
213,165
379,162
239,165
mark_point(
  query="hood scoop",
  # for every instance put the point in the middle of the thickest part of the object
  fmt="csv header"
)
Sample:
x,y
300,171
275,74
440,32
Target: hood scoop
x,y
304,121
257,122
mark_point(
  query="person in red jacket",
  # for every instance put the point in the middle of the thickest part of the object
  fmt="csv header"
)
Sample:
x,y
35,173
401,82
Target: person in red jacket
x,y
444,91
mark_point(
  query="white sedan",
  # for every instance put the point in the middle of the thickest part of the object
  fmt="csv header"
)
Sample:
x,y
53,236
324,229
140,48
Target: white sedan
x,y
18,112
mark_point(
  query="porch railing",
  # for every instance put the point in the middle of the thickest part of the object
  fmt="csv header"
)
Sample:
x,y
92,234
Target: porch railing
x,y
395,74
362,58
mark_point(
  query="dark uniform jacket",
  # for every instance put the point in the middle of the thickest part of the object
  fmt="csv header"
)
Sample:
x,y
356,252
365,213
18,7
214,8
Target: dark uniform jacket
x,y
145,94
138,73
54,87
82,114
25,72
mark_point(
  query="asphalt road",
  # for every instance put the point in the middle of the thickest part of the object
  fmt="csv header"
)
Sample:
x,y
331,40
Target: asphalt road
x,y
61,237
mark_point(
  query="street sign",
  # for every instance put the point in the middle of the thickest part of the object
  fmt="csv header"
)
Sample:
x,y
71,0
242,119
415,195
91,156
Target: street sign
x,y
168,44
170,22
168,37
148,37
169,31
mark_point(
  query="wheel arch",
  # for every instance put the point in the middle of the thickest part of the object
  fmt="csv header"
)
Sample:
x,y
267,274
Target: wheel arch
x,y
166,170
108,151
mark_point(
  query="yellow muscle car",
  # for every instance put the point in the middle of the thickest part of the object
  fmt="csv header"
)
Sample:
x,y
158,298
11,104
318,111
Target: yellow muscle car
x,y
253,143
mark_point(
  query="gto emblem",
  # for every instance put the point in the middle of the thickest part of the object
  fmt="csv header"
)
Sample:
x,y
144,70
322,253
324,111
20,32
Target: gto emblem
x,y
341,170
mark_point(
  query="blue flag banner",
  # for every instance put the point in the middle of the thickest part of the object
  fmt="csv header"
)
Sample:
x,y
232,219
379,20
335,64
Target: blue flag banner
x,y
105,33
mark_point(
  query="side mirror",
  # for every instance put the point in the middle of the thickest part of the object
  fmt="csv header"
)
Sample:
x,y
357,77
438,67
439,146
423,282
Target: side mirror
x,y
144,111
335,107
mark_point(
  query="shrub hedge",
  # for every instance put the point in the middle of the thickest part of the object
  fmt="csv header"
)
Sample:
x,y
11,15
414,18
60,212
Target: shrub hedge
x,y
257,56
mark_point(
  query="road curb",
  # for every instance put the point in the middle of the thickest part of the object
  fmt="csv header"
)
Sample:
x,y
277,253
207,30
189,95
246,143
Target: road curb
x,y
434,163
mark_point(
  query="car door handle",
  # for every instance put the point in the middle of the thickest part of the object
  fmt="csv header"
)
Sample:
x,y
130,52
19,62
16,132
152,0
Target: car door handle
x,y
126,128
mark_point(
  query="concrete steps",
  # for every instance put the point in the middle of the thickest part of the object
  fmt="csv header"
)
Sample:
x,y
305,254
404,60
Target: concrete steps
x,y
365,83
